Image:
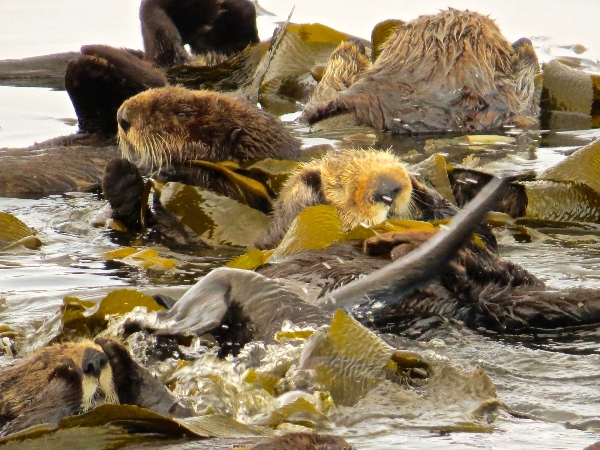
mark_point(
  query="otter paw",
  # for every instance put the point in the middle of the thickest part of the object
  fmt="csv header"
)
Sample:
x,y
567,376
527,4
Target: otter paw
x,y
396,243
123,187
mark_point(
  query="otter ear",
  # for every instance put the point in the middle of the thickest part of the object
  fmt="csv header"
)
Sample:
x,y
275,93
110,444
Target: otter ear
x,y
233,137
312,179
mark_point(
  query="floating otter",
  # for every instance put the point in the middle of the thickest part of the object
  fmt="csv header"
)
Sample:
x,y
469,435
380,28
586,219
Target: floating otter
x,y
448,72
169,127
301,441
66,379
103,77
365,186
221,26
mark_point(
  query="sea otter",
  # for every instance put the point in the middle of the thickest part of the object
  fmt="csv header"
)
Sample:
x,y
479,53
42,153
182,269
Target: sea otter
x,y
365,186
167,128
65,379
301,441
103,77
477,287
448,72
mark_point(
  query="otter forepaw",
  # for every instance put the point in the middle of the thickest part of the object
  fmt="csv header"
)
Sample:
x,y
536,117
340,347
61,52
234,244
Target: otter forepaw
x,y
396,243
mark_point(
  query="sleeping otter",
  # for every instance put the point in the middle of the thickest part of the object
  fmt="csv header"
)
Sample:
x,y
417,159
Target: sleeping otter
x,y
365,186
103,77
448,72
169,127
66,379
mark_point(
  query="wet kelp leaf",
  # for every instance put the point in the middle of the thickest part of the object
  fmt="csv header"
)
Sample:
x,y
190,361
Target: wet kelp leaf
x,y
434,170
13,230
277,171
348,361
110,426
146,259
230,75
317,227
583,166
214,218
567,202
314,228
82,318
569,87
381,33
297,409
241,182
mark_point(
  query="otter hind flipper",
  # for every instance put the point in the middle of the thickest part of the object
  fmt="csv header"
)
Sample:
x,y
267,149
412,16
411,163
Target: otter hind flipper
x,y
237,306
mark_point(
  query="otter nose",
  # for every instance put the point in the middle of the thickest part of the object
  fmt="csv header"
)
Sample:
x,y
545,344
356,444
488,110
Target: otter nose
x,y
123,120
386,191
93,362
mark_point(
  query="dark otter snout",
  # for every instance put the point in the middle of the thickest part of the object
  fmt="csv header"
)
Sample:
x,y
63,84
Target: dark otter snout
x,y
123,120
386,190
93,362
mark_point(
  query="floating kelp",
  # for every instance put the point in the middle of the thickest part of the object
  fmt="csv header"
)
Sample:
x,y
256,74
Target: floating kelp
x,y
302,235
113,426
571,86
84,318
215,219
435,170
145,259
568,202
14,233
583,166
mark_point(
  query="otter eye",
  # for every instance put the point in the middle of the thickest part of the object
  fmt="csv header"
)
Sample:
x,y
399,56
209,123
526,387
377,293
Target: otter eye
x,y
182,114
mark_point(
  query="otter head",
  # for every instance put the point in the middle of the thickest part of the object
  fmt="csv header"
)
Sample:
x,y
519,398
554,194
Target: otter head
x,y
366,187
97,379
175,125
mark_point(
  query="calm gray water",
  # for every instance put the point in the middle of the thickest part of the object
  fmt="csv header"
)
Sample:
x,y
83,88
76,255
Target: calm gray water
x,y
557,381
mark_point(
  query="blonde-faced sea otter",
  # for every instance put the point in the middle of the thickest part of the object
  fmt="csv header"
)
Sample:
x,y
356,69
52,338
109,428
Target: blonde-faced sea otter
x,y
365,186
448,72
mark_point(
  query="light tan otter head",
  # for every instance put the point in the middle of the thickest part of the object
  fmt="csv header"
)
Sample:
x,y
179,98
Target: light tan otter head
x,y
175,125
366,186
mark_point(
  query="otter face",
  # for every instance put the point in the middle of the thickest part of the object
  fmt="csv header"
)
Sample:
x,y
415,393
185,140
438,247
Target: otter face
x,y
366,187
97,380
172,125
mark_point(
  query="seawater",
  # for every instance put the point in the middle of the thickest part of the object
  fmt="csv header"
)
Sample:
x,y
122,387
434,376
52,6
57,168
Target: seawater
x,y
556,380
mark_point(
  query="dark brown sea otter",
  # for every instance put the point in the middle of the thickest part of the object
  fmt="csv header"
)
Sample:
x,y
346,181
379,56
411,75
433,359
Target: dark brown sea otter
x,y
103,77
169,127
448,72
66,379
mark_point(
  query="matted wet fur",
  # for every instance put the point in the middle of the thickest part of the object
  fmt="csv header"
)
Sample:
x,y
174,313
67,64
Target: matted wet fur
x,y
448,72
174,125
223,26
365,186
67,379
302,441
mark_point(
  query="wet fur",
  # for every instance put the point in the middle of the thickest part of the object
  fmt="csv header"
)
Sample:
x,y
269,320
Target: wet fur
x,y
448,72
349,181
66,379
175,125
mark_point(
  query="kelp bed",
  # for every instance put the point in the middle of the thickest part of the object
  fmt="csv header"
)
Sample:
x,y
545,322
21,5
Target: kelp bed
x,y
439,385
